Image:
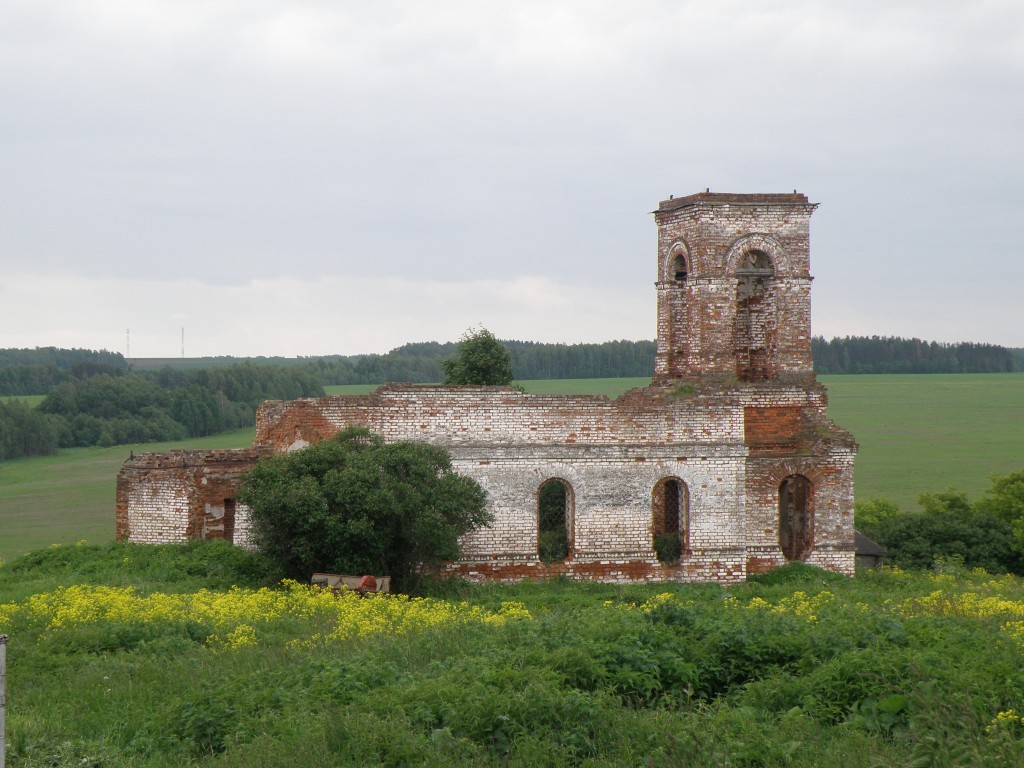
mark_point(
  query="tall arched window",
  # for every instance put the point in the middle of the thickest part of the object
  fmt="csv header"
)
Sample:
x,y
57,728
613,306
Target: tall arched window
x,y
755,320
796,520
670,502
554,520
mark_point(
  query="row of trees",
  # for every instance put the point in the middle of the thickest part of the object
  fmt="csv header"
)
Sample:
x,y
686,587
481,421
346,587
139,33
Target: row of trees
x,y
986,533
26,431
423,362
37,371
892,354
168,404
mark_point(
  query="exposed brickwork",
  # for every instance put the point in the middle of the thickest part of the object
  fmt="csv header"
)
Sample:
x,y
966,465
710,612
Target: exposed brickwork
x,y
712,320
734,418
165,497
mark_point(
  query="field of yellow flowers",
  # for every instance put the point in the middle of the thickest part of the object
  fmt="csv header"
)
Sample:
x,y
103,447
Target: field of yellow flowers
x,y
125,655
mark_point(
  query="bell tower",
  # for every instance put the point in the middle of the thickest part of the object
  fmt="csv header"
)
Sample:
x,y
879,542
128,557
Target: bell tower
x,y
734,287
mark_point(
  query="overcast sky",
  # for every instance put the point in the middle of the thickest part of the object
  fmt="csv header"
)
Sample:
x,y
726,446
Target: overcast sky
x,y
303,178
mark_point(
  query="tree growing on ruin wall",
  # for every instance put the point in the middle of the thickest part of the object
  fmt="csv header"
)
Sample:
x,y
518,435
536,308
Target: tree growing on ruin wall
x,y
481,359
353,504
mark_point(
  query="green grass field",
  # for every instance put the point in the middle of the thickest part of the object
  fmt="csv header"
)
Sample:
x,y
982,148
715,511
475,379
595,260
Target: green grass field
x,y
926,433
917,434
32,400
69,497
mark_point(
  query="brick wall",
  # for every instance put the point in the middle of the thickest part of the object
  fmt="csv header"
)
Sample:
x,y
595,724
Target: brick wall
x,y
182,495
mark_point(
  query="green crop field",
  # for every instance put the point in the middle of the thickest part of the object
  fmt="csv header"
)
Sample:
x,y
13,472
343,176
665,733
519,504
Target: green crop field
x,y
32,400
917,434
69,497
926,433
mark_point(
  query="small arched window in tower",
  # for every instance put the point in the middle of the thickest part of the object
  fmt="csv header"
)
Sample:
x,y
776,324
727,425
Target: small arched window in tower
x,y
796,521
554,520
679,269
754,328
670,501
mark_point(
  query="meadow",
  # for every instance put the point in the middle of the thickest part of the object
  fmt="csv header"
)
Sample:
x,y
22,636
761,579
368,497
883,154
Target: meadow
x,y
32,400
180,655
70,497
917,434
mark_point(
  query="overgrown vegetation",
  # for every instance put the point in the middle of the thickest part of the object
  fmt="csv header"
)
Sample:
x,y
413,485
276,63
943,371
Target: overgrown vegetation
x,y
798,668
987,533
352,504
480,359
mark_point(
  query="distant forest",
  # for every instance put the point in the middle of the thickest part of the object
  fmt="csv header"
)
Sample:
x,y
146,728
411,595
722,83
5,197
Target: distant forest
x,y
891,354
106,403
420,363
37,371
98,398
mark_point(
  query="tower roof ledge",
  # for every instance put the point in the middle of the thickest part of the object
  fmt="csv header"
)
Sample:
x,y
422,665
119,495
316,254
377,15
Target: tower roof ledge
x,y
731,198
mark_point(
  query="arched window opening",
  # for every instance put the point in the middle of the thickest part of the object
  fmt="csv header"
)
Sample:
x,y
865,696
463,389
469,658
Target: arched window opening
x,y
796,529
755,324
679,269
670,519
554,521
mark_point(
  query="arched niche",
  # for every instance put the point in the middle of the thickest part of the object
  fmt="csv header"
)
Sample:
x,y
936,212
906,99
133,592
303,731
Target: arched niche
x,y
796,517
670,519
555,505
676,267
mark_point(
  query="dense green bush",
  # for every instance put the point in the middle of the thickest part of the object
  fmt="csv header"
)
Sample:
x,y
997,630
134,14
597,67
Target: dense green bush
x,y
987,533
352,504
668,547
480,359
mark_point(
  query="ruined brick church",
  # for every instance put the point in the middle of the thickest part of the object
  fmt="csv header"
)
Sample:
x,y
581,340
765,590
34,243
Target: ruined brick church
x,y
729,449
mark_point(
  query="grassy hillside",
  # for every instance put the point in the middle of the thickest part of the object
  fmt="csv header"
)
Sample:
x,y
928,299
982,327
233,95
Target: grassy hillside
x,y
799,668
917,434
69,497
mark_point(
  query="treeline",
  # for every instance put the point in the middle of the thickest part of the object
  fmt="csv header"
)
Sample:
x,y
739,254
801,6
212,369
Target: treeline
x,y
421,362
892,354
103,409
26,431
36,371
985,533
